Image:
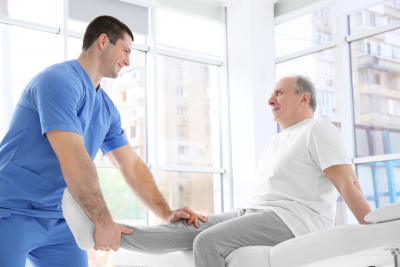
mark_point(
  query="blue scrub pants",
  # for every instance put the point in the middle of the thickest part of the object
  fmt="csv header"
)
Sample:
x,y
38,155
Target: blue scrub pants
x,y
45,242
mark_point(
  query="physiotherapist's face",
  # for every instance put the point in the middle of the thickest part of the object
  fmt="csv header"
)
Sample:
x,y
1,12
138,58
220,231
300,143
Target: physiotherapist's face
x,y
117,56
284,102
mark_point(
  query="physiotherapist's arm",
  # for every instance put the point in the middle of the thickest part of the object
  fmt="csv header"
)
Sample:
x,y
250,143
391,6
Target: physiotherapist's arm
x,y
345,180
140,180
80,175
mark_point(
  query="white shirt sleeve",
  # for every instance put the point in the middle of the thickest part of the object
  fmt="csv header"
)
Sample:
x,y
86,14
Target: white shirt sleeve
x,y
327,146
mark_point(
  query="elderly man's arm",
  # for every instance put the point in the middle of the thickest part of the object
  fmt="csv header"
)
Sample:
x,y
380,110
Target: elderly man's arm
x,y
140,180
345,180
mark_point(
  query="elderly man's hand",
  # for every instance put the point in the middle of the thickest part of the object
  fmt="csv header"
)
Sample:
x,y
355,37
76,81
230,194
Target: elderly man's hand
x,y
186,213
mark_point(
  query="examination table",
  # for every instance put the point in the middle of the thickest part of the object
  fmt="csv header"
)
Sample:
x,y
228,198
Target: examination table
x,y
349,245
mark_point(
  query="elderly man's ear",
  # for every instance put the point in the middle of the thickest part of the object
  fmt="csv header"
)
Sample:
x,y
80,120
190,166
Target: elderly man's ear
x,y
306,98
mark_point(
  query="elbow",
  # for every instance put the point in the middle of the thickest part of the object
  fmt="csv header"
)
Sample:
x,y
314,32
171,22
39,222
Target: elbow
x,y
357,185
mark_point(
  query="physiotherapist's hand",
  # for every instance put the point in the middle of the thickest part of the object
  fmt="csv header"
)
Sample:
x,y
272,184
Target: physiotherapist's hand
x,y
109,237
186,213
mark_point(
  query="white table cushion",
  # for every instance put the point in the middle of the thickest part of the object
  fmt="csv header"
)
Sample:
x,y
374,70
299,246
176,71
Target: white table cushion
x,y
123,257
384,214
255,256
336,243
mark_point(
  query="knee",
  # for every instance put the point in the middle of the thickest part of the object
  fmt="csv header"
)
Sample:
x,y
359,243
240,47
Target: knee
x,y
204,241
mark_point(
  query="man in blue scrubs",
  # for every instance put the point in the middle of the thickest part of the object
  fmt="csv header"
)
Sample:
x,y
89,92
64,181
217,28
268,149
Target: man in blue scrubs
x,y
62,119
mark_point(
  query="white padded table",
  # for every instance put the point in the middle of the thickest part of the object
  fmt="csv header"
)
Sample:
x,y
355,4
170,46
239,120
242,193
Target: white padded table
x,y
256,256
344,245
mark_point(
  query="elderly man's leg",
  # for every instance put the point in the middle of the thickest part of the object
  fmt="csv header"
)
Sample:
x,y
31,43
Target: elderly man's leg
x,y
171,237
255,228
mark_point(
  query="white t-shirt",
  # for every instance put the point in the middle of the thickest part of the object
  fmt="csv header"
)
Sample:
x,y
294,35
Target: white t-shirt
x,y
290,180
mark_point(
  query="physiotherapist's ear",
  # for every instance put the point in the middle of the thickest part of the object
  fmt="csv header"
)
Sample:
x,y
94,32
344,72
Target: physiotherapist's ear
x,y
102,40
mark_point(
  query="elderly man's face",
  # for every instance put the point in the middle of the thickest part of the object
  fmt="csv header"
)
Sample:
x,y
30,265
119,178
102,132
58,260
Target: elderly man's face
x,y
285,104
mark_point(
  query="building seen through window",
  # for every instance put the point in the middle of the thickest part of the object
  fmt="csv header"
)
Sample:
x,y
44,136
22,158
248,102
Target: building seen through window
x,y
184,110
375,16
199,191
128,94
188,133
306,31
376,93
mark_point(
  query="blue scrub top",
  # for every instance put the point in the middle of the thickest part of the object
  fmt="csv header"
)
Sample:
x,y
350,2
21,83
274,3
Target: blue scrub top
x,y
61,97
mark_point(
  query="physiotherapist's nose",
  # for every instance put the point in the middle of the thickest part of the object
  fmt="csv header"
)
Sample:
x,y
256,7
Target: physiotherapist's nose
x,y
127,61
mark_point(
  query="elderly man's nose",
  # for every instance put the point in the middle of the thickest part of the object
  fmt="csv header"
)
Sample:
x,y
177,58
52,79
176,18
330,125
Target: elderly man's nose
x,y
271,101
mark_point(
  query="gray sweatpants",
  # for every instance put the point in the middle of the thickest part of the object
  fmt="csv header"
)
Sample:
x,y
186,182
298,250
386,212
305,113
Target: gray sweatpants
x,y
212,241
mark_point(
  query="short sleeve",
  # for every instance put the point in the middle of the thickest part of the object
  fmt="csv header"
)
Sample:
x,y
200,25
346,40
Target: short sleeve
x,y
56,97
115,136
327,146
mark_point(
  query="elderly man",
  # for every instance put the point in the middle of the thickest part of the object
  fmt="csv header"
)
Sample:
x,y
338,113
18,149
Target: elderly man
x,y
296,180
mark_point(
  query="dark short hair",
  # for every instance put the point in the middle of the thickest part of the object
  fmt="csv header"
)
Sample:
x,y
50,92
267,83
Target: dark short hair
x,y
112,27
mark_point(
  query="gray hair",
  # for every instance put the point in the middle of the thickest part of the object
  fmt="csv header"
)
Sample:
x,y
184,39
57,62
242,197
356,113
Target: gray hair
x,y
303,85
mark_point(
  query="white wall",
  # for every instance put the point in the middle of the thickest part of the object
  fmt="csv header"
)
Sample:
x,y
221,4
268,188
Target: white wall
x,y
250,54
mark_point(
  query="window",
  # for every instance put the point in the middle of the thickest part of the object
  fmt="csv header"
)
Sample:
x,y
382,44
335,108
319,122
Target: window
x,y
130,210
182,111
38,11
377,78
325,69
199,191
374,16
380,182
174,121
182,92
391,81
304,32
208,131
131,95
182,130
130,75
208,93
132,113
190,32
133,131
373,108
207,111
394,54
370,19
178,73
74,47
322,13
394,107
43,50
323,37
183,150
